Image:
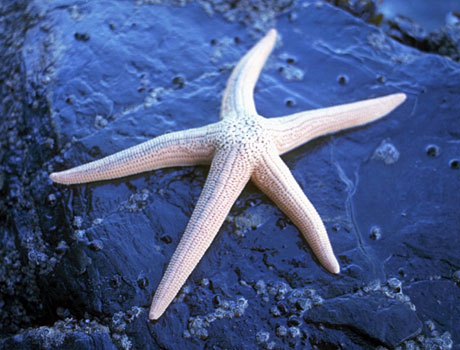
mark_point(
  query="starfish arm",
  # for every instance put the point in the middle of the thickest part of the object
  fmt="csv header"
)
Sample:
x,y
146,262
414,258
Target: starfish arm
x,y
238,95
228,175
294,130
273,177
179,148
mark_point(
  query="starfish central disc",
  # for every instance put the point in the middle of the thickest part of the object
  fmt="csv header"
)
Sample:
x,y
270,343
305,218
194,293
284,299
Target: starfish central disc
x,y
246,133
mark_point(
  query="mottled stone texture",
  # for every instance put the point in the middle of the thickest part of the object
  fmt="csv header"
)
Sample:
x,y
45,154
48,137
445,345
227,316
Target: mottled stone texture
x,y
80,263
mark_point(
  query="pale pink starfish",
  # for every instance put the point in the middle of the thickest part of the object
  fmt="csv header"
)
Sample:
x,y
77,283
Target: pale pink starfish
x,y
241,146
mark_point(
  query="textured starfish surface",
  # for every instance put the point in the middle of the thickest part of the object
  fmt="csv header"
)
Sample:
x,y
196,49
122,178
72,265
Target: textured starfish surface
x,y
242,146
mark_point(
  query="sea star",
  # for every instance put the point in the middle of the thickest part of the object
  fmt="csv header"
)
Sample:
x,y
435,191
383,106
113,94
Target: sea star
x,y
241,146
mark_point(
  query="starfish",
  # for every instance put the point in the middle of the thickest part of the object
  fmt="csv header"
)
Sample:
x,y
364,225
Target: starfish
x,y
242,146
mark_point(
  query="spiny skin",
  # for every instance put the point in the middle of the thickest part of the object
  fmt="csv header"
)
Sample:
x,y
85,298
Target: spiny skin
x,y
240,147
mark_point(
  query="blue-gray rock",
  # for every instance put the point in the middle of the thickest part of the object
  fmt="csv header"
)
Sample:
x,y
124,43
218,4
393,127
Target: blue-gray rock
x,y
380,319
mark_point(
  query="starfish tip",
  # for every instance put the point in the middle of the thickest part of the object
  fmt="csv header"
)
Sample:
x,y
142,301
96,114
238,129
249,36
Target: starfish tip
x,y
53,177
333,267
401,97
271,35
154,314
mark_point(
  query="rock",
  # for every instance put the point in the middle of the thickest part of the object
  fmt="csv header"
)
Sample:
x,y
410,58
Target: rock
x,y
48,338
386,321
83,80
430,35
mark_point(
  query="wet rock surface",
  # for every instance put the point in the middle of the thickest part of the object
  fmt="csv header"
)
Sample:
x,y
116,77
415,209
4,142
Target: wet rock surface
x,y
80,263
418,26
